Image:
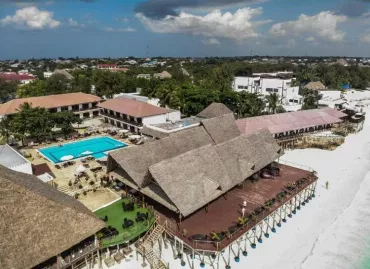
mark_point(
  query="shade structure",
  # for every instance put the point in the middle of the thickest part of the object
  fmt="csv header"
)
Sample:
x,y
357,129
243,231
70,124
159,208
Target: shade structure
x,y
87,153
45,177
134,136
67,158
80,169
123,131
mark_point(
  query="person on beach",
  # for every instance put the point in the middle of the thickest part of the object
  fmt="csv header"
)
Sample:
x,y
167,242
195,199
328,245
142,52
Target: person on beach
x,y
327,185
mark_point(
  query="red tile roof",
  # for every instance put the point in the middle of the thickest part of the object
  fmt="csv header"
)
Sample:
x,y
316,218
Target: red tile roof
x,y
50,101
15,77
132,107
291,121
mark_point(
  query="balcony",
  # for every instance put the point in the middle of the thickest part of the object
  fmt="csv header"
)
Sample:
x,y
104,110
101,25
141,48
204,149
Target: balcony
x,y
138,124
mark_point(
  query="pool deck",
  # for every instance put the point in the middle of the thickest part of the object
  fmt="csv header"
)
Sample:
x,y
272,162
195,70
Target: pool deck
x,y
80,140
92,200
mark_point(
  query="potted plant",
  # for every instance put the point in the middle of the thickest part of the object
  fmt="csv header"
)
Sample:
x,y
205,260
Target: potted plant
x,y
215,236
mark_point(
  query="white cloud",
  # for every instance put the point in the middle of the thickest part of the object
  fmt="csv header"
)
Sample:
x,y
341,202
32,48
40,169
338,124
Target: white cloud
x,y
74,24
323,25
310,39
120,30
237,26
211,41
365,38
31,17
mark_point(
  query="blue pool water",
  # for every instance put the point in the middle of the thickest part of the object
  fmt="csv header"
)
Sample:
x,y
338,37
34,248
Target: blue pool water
x,y
89,147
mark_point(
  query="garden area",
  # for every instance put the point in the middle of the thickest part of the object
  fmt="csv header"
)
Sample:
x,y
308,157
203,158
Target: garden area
x,y
125,220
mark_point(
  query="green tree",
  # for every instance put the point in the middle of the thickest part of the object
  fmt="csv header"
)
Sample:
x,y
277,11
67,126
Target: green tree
x,y
36,88
21,123
107,83
8,90
57,84
6,128
273,101
64,121
310,99
250,104
42,123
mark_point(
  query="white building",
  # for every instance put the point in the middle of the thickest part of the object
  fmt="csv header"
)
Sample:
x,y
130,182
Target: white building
x,y
265,84
13,160
48,74
138,97
132,115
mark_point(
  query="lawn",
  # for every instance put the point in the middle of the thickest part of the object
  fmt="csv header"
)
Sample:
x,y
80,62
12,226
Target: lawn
x,y
116,215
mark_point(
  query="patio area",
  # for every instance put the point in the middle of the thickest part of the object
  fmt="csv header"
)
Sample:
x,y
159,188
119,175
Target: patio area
x,y
126,220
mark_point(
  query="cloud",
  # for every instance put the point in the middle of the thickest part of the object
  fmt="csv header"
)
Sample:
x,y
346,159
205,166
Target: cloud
x,y
323,25
310,39
237,26
32,18
211,41
74,24
120,30
157,9
353,8
23,3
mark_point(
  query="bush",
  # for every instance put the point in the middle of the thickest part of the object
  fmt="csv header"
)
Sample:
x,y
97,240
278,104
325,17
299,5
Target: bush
x,y
80,186
76,195
94,189
70,183
91,182
84,192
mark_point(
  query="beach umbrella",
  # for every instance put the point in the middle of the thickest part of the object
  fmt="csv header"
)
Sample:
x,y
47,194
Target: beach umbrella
x,y
134,136
80,169
86,153
67,158
123,131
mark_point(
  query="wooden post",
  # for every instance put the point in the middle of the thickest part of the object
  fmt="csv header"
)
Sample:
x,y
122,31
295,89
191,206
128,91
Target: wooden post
x,y
174,250
193,258
100,266
143,264
218,260
228,260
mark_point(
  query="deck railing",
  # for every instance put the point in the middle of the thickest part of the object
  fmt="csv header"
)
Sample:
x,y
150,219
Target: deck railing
x,y
251,223
296,165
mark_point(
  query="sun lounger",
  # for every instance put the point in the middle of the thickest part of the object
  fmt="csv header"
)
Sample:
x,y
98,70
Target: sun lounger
x,y
118,257
109,262
127,250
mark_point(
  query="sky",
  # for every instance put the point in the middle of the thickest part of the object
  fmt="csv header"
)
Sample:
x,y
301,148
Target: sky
x,y
183,28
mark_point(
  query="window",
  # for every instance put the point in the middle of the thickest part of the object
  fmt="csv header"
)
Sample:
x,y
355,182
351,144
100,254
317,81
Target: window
x,y
240,87
291,101
276,90
269,89
246,87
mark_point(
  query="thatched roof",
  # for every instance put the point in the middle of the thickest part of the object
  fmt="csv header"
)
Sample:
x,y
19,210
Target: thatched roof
x,y
221,128
192,179
315,85
37,221
214,110
247,154
136,160
153,133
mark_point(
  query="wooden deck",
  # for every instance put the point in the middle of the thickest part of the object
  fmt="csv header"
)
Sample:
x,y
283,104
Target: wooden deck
x,y
225,211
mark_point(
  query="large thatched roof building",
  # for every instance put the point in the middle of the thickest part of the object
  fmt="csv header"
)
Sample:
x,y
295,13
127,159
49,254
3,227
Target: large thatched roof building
x,y
37,221
214,110
189,169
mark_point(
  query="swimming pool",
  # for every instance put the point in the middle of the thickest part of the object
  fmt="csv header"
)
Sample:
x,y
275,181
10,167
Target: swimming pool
x,y
95,147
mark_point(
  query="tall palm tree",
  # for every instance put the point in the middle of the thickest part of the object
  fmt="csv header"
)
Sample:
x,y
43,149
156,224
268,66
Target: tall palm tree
x,y
5,126
273,101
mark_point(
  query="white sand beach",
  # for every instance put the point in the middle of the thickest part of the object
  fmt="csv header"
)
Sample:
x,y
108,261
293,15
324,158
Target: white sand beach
x,y
332,230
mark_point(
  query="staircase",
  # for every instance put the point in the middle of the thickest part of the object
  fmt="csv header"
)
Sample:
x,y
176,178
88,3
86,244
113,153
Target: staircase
x,y
146,247
66,189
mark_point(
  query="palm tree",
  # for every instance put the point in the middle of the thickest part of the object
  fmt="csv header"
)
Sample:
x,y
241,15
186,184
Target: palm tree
x,y
5,126
273,101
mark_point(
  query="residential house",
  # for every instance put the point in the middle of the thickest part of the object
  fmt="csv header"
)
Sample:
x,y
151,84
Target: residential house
x,y
21,78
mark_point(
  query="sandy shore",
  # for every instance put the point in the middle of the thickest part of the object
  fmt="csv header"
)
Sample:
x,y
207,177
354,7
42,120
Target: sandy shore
x,y
332,230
